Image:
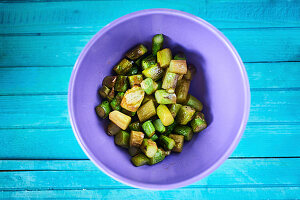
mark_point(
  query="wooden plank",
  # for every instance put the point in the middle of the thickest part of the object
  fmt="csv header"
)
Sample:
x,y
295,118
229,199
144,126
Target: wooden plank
x,y
238,173
85,16
44,111
257,141
186,193
254,45
54,80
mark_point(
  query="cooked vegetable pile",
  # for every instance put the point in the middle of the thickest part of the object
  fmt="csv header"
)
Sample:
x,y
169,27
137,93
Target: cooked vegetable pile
x,y
148,103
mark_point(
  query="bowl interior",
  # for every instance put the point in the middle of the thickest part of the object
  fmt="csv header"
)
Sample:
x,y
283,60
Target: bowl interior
x,y
219,83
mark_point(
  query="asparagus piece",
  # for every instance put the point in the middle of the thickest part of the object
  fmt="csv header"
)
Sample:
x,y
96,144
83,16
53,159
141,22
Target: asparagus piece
x,y
121,84
179,140
170,81
112,129
170,128
135,79
149,148
122,139
148,61
165,115
123,66
180,56
133,71
158,157
136,52
186,131
198,123
166,142
136,139
138,62
178,66
119,97
154,71
182,90
140,160
146,111
135,126
127,112
148,128
163,97
158,125
133,151
157,43
191,71
103,109
109,81
185,115
174,109
194,102
104,91
164,57
149,86
115,105
111,94
120,119
133,99
154,137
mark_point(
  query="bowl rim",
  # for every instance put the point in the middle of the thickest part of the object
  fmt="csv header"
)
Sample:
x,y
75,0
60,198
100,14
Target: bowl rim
x,y
222,158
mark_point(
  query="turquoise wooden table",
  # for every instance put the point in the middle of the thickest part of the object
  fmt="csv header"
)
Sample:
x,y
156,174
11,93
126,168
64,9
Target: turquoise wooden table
x,y
40,157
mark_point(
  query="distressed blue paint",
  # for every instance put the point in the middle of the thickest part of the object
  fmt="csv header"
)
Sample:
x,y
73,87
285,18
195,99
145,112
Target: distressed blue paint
x,y
39,43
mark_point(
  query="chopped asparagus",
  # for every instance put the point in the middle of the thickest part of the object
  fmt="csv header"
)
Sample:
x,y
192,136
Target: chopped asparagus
x,y
121,84
148,128
159,126
122,139
136,138
112,129
198,123
115,105
133,71
135,126
148,61
133,151
135,79
138,62
191,71
123,66
158,157
133,98
182,90
149,148
154,137
178,66
174,109
185,115
103,109
165,115
119,97
111,94
146,111
157,43
166,142
109,81
164,57
154,71
186,131
149,86
194,102
104,91
179,140
136,52
170,81
180,56
163,97
120,119
140,160
170,128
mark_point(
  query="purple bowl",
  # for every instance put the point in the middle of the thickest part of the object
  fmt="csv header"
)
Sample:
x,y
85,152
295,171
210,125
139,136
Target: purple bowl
x,y
221,83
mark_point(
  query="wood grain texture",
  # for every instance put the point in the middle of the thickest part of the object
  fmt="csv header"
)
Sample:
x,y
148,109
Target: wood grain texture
x,y
55,80
238,173
259,140
85,16
253,45
184,193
